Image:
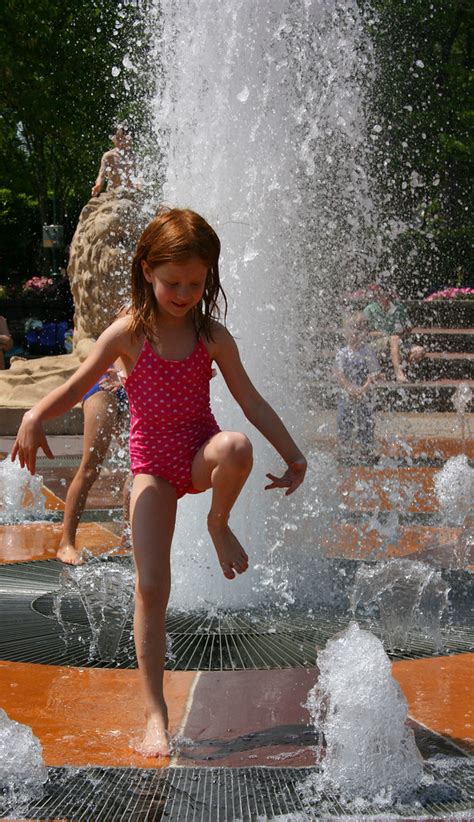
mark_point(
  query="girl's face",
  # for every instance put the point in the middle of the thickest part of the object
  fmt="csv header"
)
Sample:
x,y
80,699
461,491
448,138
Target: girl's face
x,y
177,286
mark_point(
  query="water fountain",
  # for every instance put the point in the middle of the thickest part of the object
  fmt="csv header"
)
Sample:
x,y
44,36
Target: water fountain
x,y
22,770
281,173
454,487
21,496
461,400
260,120
398,597
367,749
106,593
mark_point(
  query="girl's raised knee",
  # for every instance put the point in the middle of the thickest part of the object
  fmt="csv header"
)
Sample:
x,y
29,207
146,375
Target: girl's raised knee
x,y
237,448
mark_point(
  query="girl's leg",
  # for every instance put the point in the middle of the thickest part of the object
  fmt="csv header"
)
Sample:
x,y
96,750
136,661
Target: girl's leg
x,y
99,416
153,515
223,464
126,494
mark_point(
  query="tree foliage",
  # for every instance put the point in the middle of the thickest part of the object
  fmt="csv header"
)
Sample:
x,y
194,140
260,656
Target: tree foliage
x,y
69,71
421,118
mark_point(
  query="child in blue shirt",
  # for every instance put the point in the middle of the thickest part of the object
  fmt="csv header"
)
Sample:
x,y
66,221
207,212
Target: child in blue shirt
x,y
356,367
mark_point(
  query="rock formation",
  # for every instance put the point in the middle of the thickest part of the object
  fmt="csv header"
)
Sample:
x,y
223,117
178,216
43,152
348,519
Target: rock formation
x,y
99,273
99,265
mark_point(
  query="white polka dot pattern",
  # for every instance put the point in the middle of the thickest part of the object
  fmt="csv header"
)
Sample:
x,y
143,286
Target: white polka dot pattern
x,y
171,416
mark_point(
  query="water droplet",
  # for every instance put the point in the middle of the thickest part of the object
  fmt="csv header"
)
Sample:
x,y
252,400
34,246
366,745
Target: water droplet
x,y
243,95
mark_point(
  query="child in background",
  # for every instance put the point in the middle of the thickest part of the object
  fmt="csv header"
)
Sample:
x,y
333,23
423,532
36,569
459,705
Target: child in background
x,y
6,341
355,370
165,347
389,329
105,410
117,166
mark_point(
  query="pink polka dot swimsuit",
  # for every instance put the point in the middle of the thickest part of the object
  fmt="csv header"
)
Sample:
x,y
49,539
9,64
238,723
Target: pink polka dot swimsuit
x,y
171,416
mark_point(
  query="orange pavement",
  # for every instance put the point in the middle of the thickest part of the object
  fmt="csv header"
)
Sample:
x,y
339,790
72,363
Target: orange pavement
x,y
408,489
87,716
358,542
40,540
440,695
418,447
53,502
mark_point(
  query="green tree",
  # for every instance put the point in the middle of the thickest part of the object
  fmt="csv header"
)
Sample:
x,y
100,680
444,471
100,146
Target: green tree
x,y
69,71
421,117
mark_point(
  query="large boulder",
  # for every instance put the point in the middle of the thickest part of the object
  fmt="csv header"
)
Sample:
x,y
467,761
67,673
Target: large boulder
x,y
100,260
99,272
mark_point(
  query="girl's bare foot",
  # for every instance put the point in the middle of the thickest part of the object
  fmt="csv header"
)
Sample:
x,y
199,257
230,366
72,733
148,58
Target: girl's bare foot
x,y
156,741
232,556
69,555
400,376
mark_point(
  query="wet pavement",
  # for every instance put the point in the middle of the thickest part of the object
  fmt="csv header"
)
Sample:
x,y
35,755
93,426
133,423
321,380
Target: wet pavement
x,y
231,719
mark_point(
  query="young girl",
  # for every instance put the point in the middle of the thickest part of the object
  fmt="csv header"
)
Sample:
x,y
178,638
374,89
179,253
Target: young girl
x,y
166,347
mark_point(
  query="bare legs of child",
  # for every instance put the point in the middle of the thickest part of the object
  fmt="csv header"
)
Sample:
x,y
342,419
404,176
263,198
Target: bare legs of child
x,y
100,411
416,353
395,342
222,464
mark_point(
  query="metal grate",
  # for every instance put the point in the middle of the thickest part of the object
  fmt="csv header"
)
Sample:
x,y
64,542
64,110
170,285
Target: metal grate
x,y
62,461
29,631
229,794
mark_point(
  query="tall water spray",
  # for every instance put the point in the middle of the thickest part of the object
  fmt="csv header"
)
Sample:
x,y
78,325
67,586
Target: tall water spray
x,y
259,117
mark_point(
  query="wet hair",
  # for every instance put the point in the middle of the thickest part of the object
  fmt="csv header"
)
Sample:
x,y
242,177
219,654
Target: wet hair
x,y
176,235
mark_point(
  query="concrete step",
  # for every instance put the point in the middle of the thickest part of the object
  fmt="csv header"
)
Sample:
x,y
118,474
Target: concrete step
x,y
443,365
436,395
70,423
436,338
448,313
439,338
436,365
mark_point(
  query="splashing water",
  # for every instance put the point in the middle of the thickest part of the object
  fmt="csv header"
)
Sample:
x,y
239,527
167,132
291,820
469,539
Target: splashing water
x,y
398,596
106,592
21,496
361,712
259,116
22,770
454,486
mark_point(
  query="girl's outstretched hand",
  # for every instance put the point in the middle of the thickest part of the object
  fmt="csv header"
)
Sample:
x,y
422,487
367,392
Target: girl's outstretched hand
x,y
30,437
293,476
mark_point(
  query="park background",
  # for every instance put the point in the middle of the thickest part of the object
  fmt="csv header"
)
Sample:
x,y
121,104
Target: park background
x,y
70,71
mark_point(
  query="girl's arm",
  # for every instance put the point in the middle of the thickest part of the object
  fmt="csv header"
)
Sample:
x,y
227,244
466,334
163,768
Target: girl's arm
x,y
258,411
110,345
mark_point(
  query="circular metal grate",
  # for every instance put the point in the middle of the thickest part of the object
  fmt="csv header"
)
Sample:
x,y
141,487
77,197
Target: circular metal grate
x,y
30,632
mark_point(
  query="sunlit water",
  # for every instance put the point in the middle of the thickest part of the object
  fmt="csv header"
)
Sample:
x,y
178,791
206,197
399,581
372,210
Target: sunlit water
x,y
398,596
259,118
21,496
106,593
22,770
454,487
360,713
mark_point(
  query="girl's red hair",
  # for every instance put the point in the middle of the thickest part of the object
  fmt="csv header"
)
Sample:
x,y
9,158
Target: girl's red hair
x,y
176,234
